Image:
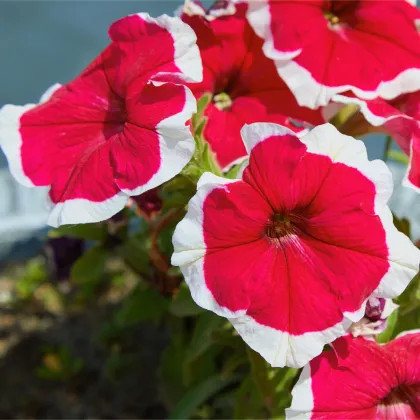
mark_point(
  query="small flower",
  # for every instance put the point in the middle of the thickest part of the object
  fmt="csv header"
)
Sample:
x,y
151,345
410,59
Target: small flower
x,y
400,118
361,379
291,252
376,316
325,47
244,83
115,131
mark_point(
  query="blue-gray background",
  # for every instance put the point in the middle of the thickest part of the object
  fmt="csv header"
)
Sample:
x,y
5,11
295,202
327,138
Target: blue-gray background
x,y
43,42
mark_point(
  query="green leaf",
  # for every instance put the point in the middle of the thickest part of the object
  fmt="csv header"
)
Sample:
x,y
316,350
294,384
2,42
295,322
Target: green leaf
x,y
410,298
260,375
228,338
134,253
35,275
199,394
232,363
202,104
248,402
183,304
386,335
88,231
233,172
171,371
403,225
201,339
406,322
90,266
141,305
274,385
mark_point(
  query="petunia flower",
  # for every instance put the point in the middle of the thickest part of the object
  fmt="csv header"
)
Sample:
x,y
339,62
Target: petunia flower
x,y
400,118
324,47
375,319
291,251
244,83
361,379
115,131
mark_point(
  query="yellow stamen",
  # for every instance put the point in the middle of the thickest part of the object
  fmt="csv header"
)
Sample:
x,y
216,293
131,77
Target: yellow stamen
x,y
332,18
222,101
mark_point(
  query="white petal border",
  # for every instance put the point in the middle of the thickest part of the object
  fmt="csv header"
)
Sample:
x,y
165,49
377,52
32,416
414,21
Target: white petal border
x,y
187,53
80,210
10,138
176,145
190,248
281,348
302,397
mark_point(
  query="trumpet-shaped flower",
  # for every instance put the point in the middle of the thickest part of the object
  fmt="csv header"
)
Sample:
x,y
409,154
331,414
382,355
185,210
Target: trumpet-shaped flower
x,y
361,379
116,130
291,252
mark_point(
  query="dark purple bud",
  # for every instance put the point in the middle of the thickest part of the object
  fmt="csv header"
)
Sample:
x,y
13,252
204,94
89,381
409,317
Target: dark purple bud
x,y
61,253
375,308
149,204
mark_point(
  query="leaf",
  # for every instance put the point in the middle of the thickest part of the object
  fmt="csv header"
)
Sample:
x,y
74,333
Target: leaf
x,y
35,275
386,335
201,339
198,395
411,295
202,104
90,266
403,225
141,305
248,402
171,371
183,305
88,231
134,253
260,375
233,172
231,364
227,338
274,385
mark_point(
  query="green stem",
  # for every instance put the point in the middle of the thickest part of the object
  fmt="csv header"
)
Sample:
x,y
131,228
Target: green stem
x,y
388,145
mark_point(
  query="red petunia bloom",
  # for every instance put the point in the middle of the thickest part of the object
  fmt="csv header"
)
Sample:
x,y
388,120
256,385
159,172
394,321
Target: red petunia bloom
x,y
291,252
116,130
361,379
244,83
323,47
401,119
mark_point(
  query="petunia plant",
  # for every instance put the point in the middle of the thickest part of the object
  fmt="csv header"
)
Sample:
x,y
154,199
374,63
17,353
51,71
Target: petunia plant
x,y
213,156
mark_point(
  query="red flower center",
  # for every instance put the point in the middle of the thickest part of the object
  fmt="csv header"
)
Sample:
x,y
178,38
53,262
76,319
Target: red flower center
x,y
281,228
400,398
340,12
222,101
115,119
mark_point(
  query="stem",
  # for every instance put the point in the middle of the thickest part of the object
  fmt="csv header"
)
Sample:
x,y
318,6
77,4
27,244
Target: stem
x,y
157,258
388,145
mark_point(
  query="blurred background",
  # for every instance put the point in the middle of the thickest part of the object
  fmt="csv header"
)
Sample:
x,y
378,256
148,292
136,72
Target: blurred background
x,y
53,366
